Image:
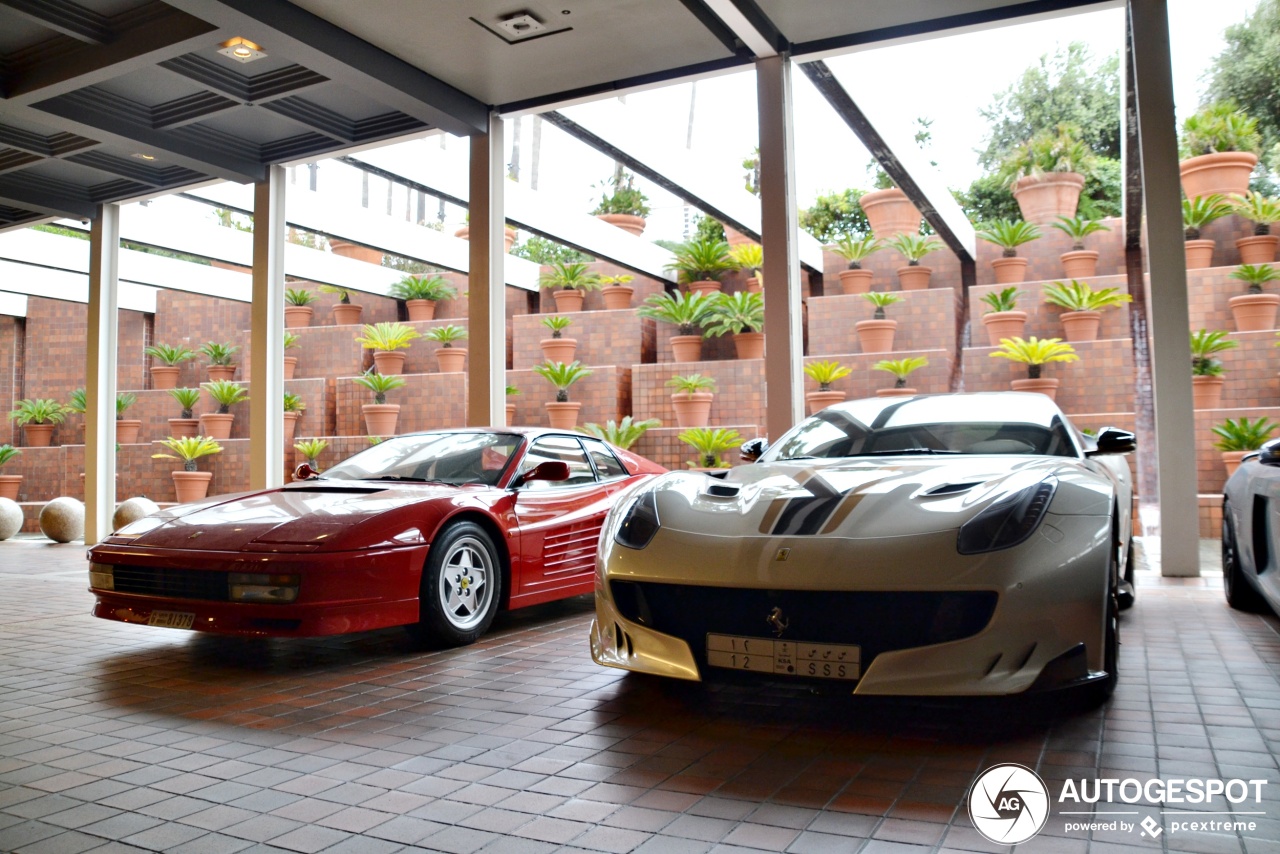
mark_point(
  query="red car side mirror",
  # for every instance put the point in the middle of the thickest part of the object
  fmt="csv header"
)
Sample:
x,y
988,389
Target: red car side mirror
x,y
305,472
548,470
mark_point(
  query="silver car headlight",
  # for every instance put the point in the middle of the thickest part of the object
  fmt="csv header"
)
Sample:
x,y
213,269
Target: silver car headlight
x,y
1007,522
102,576
639,523
260,587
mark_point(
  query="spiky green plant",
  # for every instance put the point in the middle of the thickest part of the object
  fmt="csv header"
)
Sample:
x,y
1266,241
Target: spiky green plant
x,y
1009,234
570,276
1200,211
913,247
621,279
170,355
701,259
124,400
311,449
1243,434
557,323
298,296
188,399
386,336
1056,149
562,375
710,443
189,449
447,334
41,410
1078,228
344,295
881,300
1255,275
690,383
824,373
291,340
1204,344
1220,126
1258,209
1035,352
621,434
901,368
219,354
855,249
1079,296
1002,300
735,313
226,393
293,403
8,452
78,402
434,288
748,257
512,391
687,312
379,384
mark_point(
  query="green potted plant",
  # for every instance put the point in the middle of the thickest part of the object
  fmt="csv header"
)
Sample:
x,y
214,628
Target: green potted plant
x,y
913,247
310,450
1196,214
1035,353
1047,173
617,291
512,391
165,373
293,409
741,315
622,204
700,263
449,358
1255,310
386,340
749,259
1239,436
1003,319
187,424
37,418
710,443
622,434
855,250
1009,234
901,369
345,312
691,397
876,335
1219,148
557,348
421,294
9,483
297,307
291,341
219,355
562,412
824,373
1206,371
1079,263
190,483
127,429
217,425
380,417
1262,211
689,313
569,282
1084,307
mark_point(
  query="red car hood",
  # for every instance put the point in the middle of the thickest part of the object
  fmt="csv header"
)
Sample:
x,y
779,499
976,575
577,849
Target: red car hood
x,y
351,514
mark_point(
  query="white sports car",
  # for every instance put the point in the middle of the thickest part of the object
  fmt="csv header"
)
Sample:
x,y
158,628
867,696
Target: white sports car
x,y
973,544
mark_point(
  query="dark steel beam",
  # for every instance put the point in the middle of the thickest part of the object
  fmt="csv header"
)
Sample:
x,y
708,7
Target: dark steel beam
x,y
16,194
65,17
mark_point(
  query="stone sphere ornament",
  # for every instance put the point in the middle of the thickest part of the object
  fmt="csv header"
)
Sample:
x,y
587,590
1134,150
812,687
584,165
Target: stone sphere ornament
x,y
62,520
132,510
10,518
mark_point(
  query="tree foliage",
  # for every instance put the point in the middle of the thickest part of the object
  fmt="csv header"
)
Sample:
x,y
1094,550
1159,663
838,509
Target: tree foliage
x,y
835,215
545,252
1248,70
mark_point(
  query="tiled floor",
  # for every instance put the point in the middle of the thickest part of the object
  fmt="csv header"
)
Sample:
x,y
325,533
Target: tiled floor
x,y
116,738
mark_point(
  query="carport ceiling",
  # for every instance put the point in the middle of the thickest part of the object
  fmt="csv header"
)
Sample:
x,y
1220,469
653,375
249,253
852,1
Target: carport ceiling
x,y
107,100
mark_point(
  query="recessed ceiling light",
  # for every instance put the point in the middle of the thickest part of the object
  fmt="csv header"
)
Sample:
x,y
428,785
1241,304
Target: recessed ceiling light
x,y
521,24
142,156
241,50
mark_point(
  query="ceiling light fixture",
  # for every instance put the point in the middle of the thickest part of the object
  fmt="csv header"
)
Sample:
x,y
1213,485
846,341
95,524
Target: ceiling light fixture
x,y
142,156
241,50
521,25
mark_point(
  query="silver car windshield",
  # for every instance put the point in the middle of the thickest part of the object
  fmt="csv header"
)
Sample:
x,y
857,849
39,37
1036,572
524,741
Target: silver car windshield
x,y
452,458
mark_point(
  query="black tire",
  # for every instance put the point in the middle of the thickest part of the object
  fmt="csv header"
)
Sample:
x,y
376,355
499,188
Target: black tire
x,y
1097,693
1127,592
1241,594
461,586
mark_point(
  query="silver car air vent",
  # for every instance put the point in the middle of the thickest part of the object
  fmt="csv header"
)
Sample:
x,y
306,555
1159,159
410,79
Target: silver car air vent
x,y
952,488
723,490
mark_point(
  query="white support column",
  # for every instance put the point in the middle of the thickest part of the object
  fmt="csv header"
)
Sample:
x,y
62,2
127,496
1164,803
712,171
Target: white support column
x,y
783,365
266,337
100,374
487,295
1167,308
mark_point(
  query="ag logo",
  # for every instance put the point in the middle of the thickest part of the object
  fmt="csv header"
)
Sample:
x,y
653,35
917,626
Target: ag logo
x,y
1008,804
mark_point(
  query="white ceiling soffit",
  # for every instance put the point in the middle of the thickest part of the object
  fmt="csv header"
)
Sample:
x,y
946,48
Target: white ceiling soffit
x,y
444,171
13,305
27,280
314,212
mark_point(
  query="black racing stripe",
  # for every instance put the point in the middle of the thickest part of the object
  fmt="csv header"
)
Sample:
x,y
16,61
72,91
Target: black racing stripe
x,y
805,516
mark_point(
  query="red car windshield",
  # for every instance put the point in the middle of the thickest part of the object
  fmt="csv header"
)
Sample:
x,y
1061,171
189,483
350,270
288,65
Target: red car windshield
x,y
453,458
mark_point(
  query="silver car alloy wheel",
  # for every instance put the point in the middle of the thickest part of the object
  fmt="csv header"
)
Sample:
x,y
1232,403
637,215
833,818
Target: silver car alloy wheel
x,y
464,590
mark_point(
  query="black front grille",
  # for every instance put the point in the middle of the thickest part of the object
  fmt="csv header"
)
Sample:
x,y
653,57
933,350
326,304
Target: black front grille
x,y
876,621
172,583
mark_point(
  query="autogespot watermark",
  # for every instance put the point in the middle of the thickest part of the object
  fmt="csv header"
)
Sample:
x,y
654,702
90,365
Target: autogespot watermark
x,y
1010,804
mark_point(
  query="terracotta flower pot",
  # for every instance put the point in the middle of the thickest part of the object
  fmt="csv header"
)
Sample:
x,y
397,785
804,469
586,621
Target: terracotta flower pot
x,y
380,418
1224,172
1004,324
563,415
1254,312
704,286
347,314
914,277
511,414
1258,249
165,376
421,309
890,212
558,349
217,425
686,348
451,360
354,250
297,316
617,297
179,427
820,400
1079,263
1206,392
1045,197
1047,386
221,372
896,392
38,435
191,485
749,345
1231,459
876,336
390,362
290,427
9,485
1080,326
1010,271
856,281
127,430
753,285
1200,254
508,236
627,222
568,299
290,366
693,408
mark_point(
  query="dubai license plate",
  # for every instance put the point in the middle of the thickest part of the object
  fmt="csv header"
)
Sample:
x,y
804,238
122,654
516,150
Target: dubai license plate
x,y
171,619
785,658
